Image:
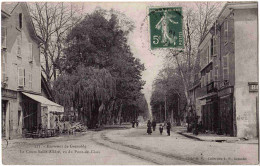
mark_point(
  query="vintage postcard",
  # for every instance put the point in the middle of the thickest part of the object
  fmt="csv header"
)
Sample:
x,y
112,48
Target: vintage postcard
x,y
129,83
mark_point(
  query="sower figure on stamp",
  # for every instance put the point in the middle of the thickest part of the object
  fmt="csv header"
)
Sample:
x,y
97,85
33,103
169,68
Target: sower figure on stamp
x,y
163,25
149,127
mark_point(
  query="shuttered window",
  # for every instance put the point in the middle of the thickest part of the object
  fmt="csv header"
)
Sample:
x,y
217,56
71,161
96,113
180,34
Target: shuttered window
x,y
30,52
226,30
21,77
4,61
19,43
3,35
215,45
30,80
225,67
216,73
202,81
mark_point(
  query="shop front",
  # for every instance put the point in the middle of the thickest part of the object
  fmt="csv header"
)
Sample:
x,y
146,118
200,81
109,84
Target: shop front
x,y
226,122
9,101
39,112
210,113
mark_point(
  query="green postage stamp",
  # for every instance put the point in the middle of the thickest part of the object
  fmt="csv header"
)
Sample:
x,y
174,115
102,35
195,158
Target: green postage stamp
x,y
166,27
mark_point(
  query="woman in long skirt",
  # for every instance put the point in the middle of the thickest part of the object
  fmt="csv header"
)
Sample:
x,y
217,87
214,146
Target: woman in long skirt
x,y
149,127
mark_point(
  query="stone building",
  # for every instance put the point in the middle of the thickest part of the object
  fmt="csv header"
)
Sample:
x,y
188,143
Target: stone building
x,y
22,102
229,72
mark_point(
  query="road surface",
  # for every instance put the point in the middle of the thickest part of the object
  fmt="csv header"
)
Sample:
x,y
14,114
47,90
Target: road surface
x,y
120,147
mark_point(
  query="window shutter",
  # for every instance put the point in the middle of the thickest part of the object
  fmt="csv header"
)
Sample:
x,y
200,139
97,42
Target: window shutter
x,y
20,77
225,67
225,73
202,81
30,80
3,65
226,30
4,34
19,41
216,73
30,52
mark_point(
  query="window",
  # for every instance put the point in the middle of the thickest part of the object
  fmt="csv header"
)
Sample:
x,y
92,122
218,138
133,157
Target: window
x,y
19,117
225,67
20,20
19,42
216,73
21,78
226,30
211,75
4,33
202,81
215,45
30,80
4,61
30,52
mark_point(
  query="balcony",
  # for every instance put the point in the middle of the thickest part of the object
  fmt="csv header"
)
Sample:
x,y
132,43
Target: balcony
x,y
211,87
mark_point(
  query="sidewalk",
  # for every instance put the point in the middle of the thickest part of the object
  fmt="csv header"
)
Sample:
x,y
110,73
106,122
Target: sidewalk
x,y
213,137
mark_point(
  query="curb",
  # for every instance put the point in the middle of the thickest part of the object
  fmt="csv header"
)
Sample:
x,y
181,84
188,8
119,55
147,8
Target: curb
x,y
189,136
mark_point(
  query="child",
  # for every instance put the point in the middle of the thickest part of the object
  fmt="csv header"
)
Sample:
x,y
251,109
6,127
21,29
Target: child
x,y
161,129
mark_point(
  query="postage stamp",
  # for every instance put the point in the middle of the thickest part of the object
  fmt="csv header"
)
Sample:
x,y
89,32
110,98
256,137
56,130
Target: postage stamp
x,y
166,27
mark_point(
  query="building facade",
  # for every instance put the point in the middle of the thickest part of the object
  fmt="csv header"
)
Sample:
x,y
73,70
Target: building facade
x,y
229,73
21,71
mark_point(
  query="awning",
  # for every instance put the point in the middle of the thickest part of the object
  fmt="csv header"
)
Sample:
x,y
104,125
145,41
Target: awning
x,y
52,107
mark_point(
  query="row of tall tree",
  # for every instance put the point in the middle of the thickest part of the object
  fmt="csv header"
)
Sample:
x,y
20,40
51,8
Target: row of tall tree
x,y
198,17
92,67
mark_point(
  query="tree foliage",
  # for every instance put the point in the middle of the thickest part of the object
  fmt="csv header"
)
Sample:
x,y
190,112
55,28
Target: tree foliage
x,y
168,87
99,44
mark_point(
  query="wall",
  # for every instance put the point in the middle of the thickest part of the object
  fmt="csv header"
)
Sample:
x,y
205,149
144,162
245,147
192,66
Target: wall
x,y
13,62
245,70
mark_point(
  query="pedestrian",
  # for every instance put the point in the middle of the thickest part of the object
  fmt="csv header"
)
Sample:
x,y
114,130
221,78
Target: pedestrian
x,y
133,123
168,128
149,127
137,123
161,129
154,125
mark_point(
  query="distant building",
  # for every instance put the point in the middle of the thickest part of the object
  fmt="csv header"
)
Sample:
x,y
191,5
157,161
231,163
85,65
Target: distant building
x,y
229,72
22,104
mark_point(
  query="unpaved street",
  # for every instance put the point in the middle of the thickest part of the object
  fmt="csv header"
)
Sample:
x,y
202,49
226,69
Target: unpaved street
x,y
127,147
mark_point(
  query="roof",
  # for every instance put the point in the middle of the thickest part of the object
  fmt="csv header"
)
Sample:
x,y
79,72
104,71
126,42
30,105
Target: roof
x,y
8,7
52,107
46,87
226,9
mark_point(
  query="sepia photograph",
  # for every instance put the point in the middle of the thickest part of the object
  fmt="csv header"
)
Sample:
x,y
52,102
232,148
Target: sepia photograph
x,y
129,83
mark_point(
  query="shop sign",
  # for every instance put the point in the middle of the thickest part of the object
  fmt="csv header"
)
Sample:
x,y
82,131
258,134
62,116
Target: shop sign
x,y
9,93
253,86
225,91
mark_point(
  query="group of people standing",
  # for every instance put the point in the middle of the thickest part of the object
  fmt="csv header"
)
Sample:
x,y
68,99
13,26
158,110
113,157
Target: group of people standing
x,y
135,123
152,124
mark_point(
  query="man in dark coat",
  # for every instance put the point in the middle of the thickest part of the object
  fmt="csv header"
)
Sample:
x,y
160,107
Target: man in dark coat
x,y
168,128
133,123
137,123
154,125
149,127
